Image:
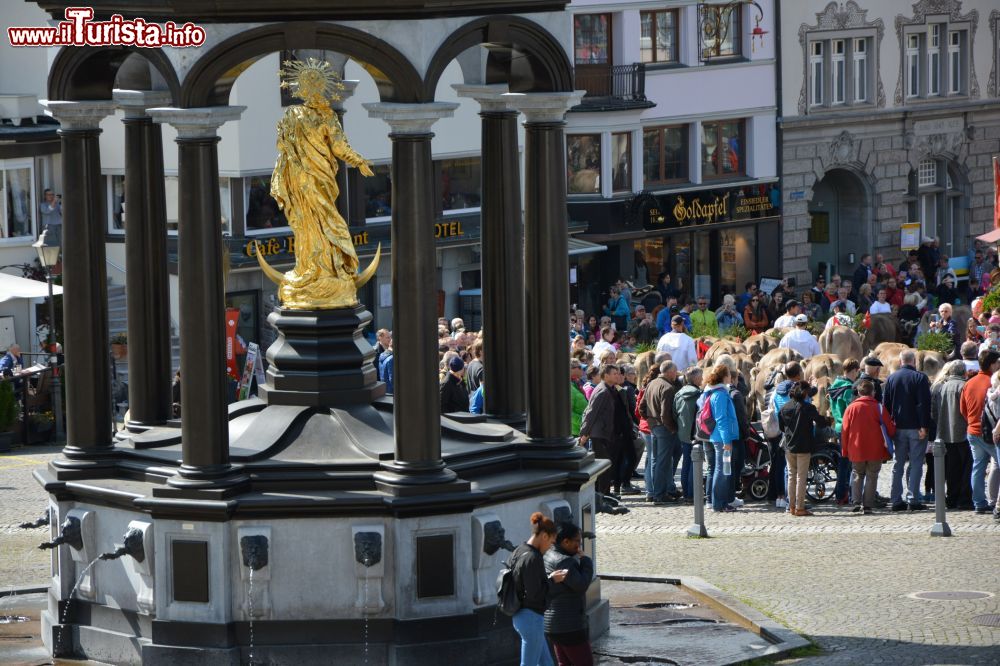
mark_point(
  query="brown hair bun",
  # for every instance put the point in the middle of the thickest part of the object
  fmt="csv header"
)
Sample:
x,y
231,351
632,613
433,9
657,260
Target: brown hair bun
x,y
539,523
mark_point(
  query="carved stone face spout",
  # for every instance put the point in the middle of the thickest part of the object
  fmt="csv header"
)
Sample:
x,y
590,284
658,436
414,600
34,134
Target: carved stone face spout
x,y
254,549
69,534
368,548
134,545
495,538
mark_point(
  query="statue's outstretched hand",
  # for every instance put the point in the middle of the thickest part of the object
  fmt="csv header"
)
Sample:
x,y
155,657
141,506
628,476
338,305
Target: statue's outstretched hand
x,y
365,169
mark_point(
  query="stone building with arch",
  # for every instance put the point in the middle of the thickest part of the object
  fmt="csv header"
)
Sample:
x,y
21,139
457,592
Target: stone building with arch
x,y
889,116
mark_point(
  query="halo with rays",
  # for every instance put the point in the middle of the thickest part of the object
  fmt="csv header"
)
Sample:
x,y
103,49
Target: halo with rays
x,y
311,77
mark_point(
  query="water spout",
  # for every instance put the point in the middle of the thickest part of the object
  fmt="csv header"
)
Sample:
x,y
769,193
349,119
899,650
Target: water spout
x,y
495,538
41,522
253,548
132,547
367,548
69,534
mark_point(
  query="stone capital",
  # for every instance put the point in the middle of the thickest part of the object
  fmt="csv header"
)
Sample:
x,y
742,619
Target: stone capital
x,y
411,118
545,107
196,123
79,115
350,85
135,103
491,97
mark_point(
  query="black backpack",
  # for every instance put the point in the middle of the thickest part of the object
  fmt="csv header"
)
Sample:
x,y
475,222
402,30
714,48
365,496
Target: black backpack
x,y
508,596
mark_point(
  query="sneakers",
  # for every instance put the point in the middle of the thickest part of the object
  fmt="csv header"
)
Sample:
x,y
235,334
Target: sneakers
x,y
916,506
737,502
629,489
857,509
781,503
899,506
983,510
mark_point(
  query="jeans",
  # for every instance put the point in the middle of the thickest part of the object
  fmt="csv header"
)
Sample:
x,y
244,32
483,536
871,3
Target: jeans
x,y
739,455
843,486
709,468
647,469
530,625
687,481
981,454
721,482
909,447
777,478
658,462
958,473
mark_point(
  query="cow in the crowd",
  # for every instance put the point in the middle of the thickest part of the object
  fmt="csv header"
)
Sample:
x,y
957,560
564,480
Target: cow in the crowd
x,y
760,344
882,328
841,341
822,365
720,347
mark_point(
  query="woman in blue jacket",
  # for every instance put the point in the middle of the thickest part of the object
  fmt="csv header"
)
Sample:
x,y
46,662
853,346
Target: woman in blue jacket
x,y
725,433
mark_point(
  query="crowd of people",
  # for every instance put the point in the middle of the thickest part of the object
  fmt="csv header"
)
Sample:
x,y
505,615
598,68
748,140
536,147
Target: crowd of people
x,y
618,414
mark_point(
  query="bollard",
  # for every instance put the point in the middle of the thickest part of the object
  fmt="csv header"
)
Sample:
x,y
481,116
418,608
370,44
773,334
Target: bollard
x,y
697,530
941,521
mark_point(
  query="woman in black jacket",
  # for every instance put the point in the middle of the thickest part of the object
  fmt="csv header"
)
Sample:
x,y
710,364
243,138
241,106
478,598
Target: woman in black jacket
x,y
799,422
566,623
532,586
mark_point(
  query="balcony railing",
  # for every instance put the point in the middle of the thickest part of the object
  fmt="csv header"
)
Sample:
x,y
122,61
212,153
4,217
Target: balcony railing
x,y
612,87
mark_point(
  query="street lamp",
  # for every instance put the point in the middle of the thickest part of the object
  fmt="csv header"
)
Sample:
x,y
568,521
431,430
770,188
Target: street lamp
x,y
48,257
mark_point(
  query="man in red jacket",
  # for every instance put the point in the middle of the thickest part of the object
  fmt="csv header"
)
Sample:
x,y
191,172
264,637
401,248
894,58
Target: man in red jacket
x,y
971,406
864,445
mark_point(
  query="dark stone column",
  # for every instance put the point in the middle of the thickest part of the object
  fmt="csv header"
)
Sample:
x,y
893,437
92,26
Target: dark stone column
x,y
502,254
343,199
85,290
148,297
546,265
417,406
204,414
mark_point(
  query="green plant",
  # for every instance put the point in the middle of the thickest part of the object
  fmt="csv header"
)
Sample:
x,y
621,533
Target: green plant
x,y
8,406
776,334
119,339
737,332
643,347
933,341
991,301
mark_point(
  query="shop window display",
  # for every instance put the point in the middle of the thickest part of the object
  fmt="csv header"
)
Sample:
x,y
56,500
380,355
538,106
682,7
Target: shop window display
x,y
262,210
18,213
584,163
665,155
722,149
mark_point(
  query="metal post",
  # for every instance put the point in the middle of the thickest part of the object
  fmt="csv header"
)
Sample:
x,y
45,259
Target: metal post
x,y
54,360
941,527
698,530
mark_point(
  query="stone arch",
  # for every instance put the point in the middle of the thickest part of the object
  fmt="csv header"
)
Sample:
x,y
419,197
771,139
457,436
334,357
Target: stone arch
x,y
89,73
211,79
522,53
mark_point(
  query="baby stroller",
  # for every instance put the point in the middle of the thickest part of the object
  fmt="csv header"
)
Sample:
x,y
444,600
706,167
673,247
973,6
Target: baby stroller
x,y
756,466
822,476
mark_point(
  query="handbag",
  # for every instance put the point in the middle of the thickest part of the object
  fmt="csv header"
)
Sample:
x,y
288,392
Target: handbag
x,y
885,433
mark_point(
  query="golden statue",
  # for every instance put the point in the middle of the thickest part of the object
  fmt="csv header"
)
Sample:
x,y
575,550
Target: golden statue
x,y
304,183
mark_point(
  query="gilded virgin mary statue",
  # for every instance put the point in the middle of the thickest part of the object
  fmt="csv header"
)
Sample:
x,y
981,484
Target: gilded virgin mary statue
x,y
304,183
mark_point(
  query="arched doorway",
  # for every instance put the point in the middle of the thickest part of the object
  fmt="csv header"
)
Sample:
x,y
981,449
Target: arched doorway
x,y
840,222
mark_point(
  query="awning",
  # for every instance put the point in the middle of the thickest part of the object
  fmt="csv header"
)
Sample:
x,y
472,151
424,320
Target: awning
x,y
990,236
577,246
12,286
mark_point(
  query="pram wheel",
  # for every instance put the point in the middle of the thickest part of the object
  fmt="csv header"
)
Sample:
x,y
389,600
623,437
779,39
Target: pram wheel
x,y
759,488
822,477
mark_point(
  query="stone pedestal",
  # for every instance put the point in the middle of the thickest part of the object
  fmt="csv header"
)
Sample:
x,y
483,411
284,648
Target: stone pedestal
x,y
321,359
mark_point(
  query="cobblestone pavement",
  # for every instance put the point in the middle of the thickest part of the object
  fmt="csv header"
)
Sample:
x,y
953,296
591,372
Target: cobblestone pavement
x,y
842,579
22,500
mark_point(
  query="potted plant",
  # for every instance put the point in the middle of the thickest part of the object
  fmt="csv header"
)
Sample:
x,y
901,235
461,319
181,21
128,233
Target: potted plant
x,y
41,425
119,346
8,415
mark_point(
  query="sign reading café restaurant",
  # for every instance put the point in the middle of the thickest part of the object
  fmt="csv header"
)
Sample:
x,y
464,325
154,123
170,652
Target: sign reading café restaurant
x,y
364,241
707,207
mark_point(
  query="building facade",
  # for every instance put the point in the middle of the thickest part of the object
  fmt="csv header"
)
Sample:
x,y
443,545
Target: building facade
x,y
29,164
671,157
889,122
